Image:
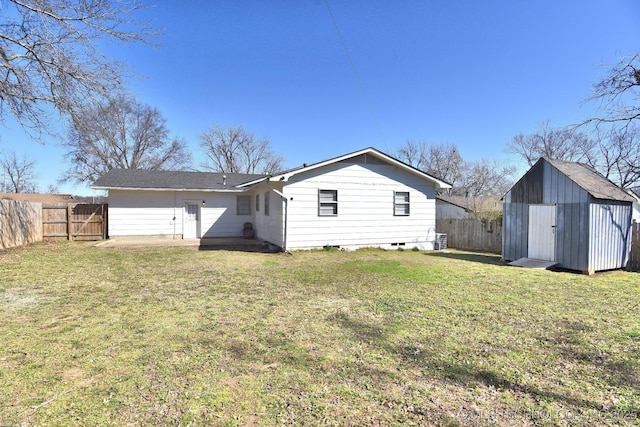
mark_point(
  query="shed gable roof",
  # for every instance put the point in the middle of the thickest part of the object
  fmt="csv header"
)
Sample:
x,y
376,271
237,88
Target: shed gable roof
x,y
138,179
590,180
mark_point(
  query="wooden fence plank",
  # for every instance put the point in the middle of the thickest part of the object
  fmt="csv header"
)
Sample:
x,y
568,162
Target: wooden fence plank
x,y
20,223
472,234
634,261
75,221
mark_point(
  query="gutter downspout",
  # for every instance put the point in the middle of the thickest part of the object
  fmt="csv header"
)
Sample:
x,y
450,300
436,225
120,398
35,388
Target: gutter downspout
x,y
286,214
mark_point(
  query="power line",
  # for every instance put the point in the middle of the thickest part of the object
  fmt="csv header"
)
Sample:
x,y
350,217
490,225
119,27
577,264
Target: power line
x,y
355,72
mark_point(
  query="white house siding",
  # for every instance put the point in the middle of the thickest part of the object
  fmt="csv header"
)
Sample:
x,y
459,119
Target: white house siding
x,y
143,213
270,227
365,208
160,213
219,215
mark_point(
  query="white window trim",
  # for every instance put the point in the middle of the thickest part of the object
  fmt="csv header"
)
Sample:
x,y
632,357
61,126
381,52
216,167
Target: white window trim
x,y
238,205
325,203
406,204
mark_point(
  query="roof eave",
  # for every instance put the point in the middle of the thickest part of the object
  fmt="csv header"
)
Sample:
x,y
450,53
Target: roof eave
x,y
202,190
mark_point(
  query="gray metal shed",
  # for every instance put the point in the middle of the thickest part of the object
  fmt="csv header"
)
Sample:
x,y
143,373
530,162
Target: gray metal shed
x,y
567,213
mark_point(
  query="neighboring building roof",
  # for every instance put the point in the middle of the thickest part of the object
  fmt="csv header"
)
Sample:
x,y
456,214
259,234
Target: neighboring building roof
x,y
39,198
376,154
591,181
474,204
451,201
138,179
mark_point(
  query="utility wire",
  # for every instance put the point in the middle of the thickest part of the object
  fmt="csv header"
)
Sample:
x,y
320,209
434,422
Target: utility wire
x,y
355,72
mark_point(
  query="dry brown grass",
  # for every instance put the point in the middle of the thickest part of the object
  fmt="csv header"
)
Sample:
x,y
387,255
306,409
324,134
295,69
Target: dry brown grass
x,y
177,336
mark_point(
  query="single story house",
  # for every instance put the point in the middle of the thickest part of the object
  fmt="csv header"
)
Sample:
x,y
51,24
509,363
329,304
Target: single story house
x,y
568,214
361,199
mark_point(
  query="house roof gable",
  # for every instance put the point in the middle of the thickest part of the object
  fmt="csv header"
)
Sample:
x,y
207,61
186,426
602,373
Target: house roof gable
x,y
379,155
138,179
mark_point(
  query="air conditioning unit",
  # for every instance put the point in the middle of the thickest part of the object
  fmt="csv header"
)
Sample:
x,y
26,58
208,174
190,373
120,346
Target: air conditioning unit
x,y
441,242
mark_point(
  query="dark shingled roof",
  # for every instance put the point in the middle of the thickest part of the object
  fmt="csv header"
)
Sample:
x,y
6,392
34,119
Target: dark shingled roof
x,y
594,183
170,180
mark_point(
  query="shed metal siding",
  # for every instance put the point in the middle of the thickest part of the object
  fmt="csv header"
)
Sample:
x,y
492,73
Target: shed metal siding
x,y
610,235
572,236
572,231
515,238
558,188
530,187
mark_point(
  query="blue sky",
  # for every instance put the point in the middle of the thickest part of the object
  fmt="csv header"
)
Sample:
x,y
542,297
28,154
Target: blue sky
x,y
472,73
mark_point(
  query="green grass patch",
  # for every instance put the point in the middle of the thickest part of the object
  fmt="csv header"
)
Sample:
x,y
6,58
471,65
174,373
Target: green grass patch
x,y
177,336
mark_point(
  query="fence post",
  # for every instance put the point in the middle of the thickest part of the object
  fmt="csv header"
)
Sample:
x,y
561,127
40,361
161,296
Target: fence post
x,y
634,261
69,222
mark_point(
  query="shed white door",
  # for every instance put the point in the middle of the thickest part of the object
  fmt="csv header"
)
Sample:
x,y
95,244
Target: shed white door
x,y
542,232
191,220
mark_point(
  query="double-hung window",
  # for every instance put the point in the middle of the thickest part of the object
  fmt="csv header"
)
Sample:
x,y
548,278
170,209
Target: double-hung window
x,y
257,202
401,203
243,206
328,202
266,203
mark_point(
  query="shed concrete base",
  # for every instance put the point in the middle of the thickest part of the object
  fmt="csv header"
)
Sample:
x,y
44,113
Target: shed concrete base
x,y
533,263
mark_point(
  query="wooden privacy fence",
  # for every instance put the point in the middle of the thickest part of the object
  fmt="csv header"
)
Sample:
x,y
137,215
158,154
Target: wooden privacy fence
x,y
74,221
20,223
634,261
472,234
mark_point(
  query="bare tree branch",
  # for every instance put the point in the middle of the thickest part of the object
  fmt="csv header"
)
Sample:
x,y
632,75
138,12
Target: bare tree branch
x,y
554,143
122,134
20,173
618,93
470,179
234,150
49,59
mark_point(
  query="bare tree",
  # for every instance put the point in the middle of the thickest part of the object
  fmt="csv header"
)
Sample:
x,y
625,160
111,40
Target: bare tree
x,y
19,174
554,143
121,134
235,150
470,179
49,56
619,93
442,161
612,151
485,178
616,155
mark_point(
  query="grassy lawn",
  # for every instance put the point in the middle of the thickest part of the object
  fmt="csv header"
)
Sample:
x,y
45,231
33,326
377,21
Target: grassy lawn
x,y
177,336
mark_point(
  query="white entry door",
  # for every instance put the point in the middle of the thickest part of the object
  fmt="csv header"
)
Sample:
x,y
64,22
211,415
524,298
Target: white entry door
x,y
191,220
542,232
